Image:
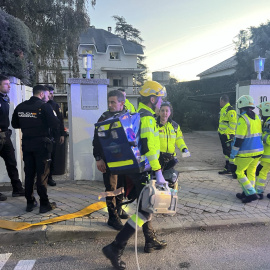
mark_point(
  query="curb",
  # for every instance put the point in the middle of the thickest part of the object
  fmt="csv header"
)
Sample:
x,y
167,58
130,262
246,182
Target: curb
x,y
58,233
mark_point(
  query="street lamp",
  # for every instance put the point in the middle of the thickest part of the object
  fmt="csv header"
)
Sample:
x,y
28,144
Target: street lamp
x,y
259,66
87,63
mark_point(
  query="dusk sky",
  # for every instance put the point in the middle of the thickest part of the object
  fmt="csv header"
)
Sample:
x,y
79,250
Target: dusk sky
x,y
176,31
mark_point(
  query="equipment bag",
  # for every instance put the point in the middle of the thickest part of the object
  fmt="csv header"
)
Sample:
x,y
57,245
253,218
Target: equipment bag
x,y
119,137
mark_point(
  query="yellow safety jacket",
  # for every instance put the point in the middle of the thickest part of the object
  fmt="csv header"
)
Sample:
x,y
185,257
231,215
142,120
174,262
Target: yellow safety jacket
x,y
169,135
227,120
129,106
248,137
149,136
266,140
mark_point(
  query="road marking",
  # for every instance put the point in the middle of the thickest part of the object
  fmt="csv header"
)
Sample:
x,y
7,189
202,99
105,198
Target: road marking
x,y
25,265
3,259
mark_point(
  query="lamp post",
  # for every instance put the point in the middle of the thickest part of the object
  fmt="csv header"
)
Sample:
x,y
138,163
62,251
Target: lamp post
x,y
259,66
87,63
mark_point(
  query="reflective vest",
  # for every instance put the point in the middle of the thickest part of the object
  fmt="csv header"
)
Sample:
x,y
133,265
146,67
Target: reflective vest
x,y
129,106
266,140
227,120
149,136
169,135
250,131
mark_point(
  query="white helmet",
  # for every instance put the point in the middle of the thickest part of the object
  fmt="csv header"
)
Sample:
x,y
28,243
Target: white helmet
x,y
265,108
245,101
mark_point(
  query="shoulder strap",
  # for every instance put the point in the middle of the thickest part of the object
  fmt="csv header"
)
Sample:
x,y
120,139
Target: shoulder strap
x,y
229,108
144,112
175,126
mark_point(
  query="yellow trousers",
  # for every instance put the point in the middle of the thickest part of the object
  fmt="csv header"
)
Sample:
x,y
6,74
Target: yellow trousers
x,y
246,181
261,178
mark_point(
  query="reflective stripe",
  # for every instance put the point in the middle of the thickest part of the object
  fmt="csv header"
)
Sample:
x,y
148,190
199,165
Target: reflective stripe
x,y
250,151
234,124
147,129
141,220
153,157
240,136
265,138
263,181
231,128
248,124
235,148
120,163
182,145
254,135
265,156
243,180
107,126
180,137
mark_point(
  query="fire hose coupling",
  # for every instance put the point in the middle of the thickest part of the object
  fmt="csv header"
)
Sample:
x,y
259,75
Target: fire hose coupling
x,y
159,199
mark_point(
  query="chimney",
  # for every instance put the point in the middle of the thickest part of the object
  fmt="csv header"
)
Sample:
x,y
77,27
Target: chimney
x,y
109,29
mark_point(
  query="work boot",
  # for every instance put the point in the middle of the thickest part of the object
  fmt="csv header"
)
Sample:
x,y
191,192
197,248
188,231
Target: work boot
x,y
2,197
122,214
51,182
260,196
240,196
268,195
250,198
48,207
18,193
152,243
115,222
113,252
225,171
30,206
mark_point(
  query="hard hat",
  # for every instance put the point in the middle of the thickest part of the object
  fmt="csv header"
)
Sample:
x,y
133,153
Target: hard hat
x,y
245,101
152,88
265,108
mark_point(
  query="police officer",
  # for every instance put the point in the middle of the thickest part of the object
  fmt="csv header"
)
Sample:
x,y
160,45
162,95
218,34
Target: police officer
x,y
6,147
226,130
57,140
247,148
116,102
35,118
128,105
151,94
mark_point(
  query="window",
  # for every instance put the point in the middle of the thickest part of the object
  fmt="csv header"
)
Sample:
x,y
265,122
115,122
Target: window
x,y
114,55
117,82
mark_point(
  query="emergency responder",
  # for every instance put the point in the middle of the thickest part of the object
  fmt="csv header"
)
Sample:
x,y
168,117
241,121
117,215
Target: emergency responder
x,y
264,108
151,94
35,118
247,148
6,147
226,130
169,135
128,105
57,140
116,102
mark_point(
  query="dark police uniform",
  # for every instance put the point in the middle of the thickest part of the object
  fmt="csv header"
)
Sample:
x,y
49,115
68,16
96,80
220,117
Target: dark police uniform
x,y
6,147
35,118
111,182
59,114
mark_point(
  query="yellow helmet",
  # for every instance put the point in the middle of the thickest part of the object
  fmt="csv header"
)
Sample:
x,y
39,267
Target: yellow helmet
x,y
265,108
152,88
245,101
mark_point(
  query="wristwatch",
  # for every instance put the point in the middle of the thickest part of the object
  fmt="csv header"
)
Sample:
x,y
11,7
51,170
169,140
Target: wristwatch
x,y
98,158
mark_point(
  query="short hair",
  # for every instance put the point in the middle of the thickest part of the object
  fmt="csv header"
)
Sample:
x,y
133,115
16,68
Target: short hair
x,y
121,89
3,78
167,104
225,98
50,88
145,100
118,94
39,88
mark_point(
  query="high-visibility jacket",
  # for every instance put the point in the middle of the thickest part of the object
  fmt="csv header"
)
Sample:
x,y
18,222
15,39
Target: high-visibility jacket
x,y
129,106
248,137
149,136
227,120
266,140
169,135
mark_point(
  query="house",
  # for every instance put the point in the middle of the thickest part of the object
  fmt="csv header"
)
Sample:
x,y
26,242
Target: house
x,y
227,67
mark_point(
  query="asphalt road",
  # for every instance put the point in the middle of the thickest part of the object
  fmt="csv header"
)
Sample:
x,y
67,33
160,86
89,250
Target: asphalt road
x,y
232,248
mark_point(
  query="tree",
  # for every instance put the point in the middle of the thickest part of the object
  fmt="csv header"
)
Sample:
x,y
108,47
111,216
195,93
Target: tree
x,y
17,55
56,26
250,44
128,32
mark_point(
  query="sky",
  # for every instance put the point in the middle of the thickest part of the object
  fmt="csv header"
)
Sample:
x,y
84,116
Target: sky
x,y
177,31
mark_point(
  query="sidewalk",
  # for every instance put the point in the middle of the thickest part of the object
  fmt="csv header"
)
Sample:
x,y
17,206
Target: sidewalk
x,y
206,199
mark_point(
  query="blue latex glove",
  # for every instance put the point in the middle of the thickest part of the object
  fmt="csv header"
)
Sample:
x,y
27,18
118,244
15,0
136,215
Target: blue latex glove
x,y
159,178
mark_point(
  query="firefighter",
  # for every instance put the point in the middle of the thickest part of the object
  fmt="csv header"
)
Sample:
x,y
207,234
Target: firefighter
x,y
151,98
226,130
170,135
128,105
247,148
264,108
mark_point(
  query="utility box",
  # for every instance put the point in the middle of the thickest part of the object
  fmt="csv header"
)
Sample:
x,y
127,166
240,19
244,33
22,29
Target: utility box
x,y
258,89
87,100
